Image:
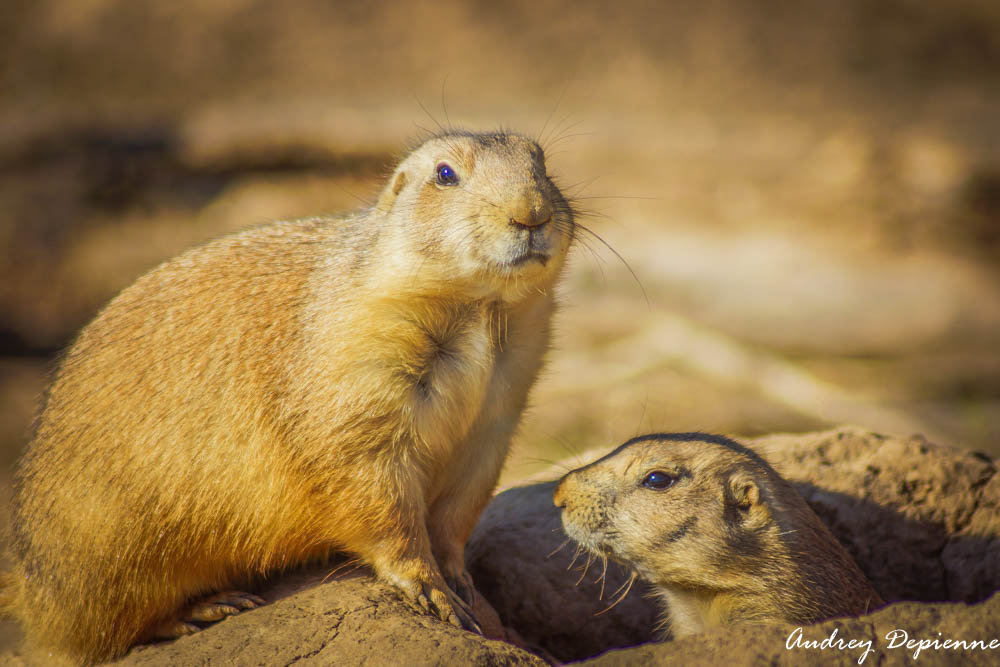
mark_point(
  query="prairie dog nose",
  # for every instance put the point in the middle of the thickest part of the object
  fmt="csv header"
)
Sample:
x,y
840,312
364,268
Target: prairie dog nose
x,y
531,209
559,497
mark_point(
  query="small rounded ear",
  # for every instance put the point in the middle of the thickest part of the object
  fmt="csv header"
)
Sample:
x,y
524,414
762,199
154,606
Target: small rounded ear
x,y
391,191
743,491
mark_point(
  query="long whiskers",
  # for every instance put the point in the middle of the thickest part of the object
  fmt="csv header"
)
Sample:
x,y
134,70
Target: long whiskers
x,y
586,568
559,548
562,93
627,586
603,577
607,245
576,554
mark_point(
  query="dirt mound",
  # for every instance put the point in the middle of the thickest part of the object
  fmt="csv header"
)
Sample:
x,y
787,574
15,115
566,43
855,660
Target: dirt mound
x,y
921,520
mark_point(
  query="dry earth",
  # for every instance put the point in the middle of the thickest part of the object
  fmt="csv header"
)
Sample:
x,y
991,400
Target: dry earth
x,y
921,520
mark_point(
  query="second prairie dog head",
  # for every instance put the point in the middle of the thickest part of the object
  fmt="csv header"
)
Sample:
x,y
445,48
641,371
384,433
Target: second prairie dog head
x,y
479,209
686,510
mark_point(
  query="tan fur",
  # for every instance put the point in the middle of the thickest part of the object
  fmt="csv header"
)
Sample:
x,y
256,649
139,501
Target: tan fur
x,y
727,541
293,389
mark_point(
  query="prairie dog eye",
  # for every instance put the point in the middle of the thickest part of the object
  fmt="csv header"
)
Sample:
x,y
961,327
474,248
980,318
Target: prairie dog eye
x,y
658,480
446,175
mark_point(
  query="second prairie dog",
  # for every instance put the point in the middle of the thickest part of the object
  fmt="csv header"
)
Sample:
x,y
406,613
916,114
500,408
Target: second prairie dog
x,y
720,535
301,387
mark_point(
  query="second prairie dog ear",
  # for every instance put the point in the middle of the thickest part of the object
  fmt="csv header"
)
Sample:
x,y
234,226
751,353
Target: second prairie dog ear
x,y
743,490
391,191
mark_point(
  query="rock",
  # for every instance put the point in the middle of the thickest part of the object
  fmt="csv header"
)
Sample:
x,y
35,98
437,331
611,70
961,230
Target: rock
x,y
921,520
547,593
317,619
769,645
349,620
972,558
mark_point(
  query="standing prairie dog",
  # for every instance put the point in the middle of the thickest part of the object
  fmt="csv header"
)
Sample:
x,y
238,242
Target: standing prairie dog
x,y
720,535
301,387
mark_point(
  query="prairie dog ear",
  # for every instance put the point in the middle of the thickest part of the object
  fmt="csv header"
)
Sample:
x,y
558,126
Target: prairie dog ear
x,y
391,191
743,491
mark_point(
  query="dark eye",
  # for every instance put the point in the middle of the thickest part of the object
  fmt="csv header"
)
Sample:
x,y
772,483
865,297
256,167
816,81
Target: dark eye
x,y
658,480
446,175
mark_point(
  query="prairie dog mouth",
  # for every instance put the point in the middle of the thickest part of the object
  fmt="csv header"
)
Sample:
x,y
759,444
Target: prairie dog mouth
x,y
528,256
535,246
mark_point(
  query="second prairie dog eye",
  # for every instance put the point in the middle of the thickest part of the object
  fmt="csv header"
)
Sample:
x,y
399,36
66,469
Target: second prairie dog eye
x,y
658,480
446,175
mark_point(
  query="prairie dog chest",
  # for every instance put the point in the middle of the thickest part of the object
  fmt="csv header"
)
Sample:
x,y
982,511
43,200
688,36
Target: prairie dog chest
x,y
423,375
446,363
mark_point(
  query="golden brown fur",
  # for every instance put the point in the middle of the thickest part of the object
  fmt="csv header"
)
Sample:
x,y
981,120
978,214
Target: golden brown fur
x,y
724,540
293,389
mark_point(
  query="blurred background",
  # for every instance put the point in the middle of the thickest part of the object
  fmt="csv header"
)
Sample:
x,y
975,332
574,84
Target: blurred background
x,y
807,192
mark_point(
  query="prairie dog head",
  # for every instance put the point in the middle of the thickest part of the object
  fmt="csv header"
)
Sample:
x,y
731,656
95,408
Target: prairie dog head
x,y
687,509
480,210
